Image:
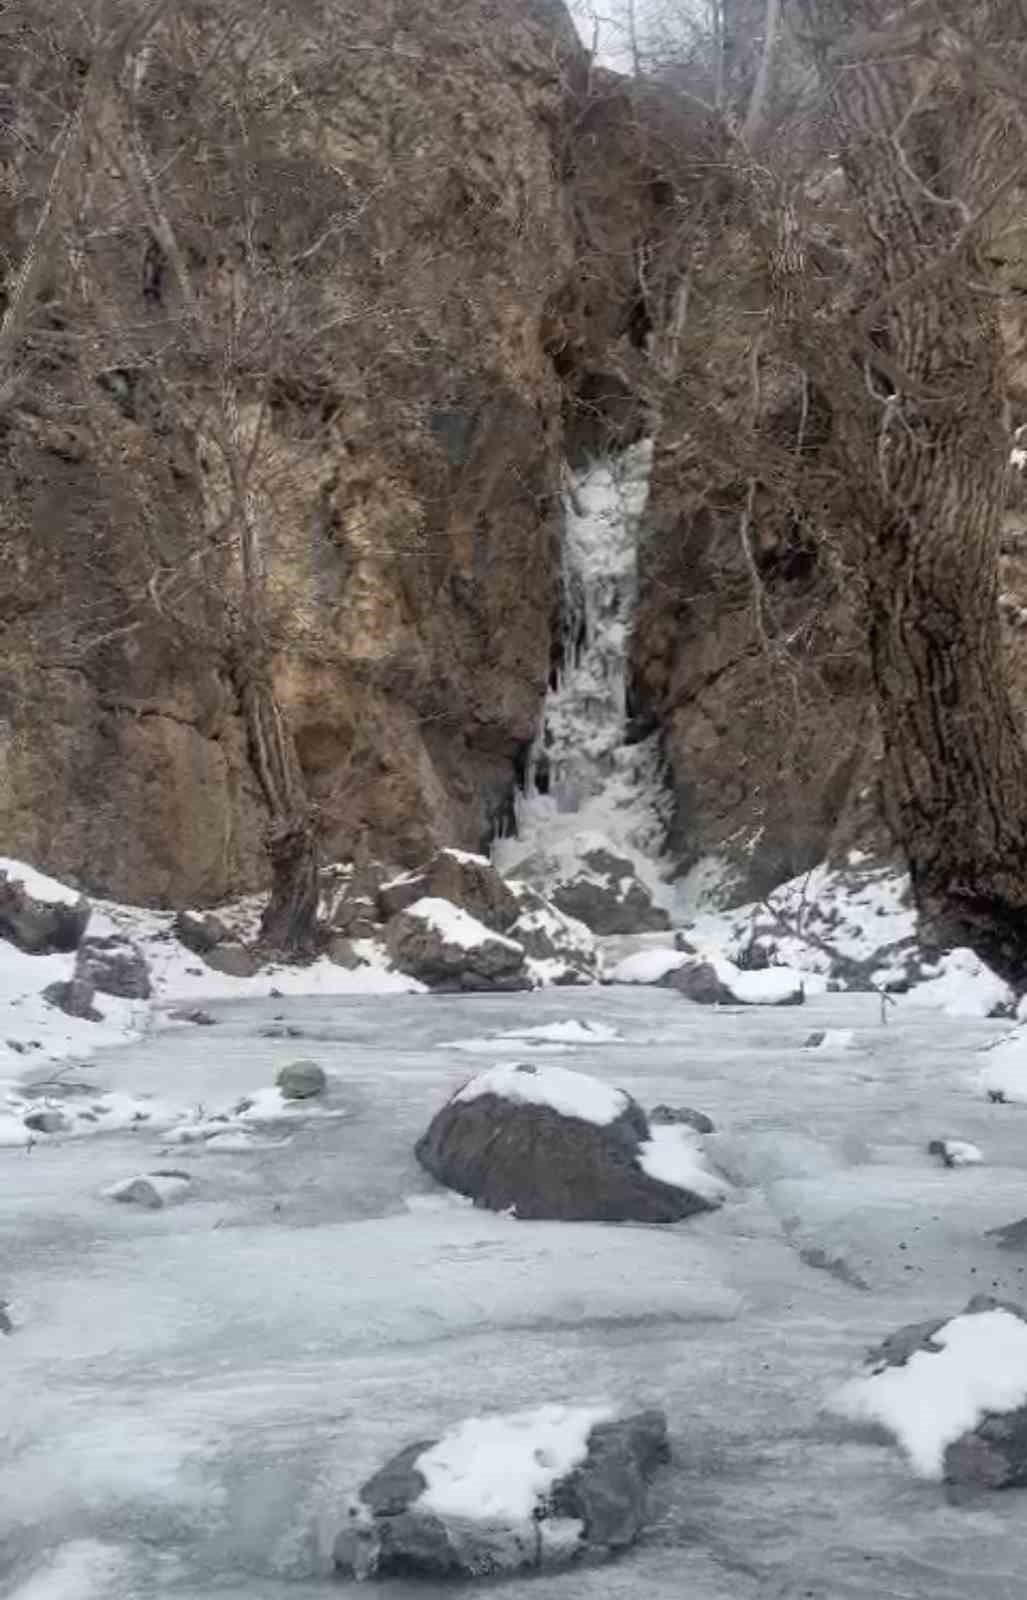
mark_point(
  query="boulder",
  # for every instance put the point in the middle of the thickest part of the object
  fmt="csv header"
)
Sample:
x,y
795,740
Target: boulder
x,y
448,949
301,1080
196,1014
548,934
468,881
340,950
114,965
234,960
683,1115
74,997
200,932
587,1510
40,926
605,894
548,1143
698,981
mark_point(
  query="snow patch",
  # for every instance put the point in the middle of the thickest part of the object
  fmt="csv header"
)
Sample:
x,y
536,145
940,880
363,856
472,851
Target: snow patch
x,y
455,925
938,1396
500,1469
963,987
37,884
647,966
571,1094
673,1154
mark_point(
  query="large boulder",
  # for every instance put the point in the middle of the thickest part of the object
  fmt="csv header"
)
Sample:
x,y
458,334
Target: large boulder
x,y
954,1394
41,922
114,965
465,880
199,931
603,891
545,1142
233,960
698,981
721,983
536,1489
448,949
551,936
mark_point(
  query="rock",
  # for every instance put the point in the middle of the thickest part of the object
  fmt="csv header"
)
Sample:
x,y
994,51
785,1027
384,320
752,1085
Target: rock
x,y
6,1325
468,881
993,1454
954,1152
154,1190
74,997
447,949
682,1114
46,1121
698,981
280,1030
549,934
341,951
605,894
541,1163
37,926
301,1080
197,1015
234,960
199,931
114,965
590,1513
813,1040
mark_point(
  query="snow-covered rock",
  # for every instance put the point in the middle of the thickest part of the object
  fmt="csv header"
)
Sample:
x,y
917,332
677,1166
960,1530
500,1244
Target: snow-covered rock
x,y
954,1394
37,913
152,1190
528,1490
955,1152
602,890
720,982
545,1142
549,935
465,880
445,947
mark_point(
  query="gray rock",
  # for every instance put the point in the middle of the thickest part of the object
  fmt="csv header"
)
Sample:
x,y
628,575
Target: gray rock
x,y
301,1080
152,1190
46,1121
549,934
234,960
197,1015
199,931
608,897
417,947
114,965
606,1496
40,927
698,981
74,998
812,1040
465,880
530,1158
682,1114
341,951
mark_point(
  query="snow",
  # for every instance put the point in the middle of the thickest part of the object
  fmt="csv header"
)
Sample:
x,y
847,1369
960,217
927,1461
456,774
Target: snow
x,y
963,987
1004,1068
555,1038
37,884
961,1153
572,1094
836,1039
935,1398
500,1469
455,925
151,1189
80,1570
673,1154
466,858
765,987
647,966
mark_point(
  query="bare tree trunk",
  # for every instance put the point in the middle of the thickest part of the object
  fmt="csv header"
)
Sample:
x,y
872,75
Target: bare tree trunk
x,y
289,922
926,447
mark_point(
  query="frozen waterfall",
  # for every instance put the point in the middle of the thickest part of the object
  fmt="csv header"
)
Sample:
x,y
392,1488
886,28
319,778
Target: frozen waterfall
x,y
584,785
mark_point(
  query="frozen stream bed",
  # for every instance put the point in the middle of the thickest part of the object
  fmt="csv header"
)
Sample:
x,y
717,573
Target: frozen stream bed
x,y
189,1395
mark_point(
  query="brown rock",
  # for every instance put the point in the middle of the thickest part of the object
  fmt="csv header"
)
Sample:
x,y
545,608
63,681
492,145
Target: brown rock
x,y
40,926
234,960
418,947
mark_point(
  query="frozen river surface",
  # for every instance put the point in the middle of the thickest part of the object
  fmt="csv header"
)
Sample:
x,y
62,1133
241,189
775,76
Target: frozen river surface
x,y
189,1395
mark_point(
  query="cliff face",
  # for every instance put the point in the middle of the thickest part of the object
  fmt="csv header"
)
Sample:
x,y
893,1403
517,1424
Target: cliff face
x,y
366,231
